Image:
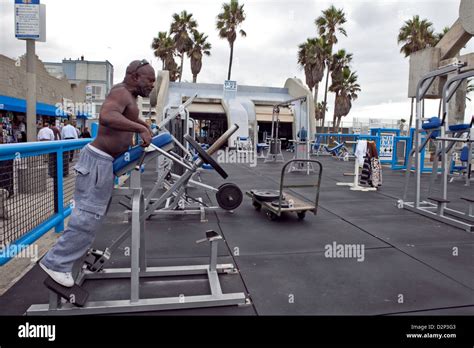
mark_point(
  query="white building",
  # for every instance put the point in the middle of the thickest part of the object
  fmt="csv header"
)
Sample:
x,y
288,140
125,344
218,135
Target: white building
x,y
98,75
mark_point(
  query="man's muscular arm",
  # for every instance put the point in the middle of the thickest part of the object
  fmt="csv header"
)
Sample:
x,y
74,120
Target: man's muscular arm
x,y
139,120
111,114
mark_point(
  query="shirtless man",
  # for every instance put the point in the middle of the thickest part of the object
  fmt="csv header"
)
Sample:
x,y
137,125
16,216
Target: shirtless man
x,y
119,120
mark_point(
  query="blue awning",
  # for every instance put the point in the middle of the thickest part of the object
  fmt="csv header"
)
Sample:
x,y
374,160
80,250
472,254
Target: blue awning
x,y
19,105
12,104
85,115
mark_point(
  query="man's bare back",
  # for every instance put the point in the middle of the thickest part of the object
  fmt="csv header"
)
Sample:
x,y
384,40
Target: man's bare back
x,y
119,116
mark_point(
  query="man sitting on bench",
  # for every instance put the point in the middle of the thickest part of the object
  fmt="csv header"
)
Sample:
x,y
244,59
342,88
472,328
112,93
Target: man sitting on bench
x,y
119,120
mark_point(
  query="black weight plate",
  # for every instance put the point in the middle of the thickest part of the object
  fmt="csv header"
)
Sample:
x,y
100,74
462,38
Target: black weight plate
x,y
229,196
266,195
284,204
205,156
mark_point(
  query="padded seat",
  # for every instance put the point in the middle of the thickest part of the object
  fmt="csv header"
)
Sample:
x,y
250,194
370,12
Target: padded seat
x,y
438,199
335,148
135,152
433,123
459,127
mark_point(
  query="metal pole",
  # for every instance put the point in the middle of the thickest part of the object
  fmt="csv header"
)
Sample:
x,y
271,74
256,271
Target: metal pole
x,y
417,153
309,134
30,90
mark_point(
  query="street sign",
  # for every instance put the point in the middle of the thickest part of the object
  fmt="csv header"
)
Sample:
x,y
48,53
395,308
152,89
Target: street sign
x,y
386,146
230,86
27,19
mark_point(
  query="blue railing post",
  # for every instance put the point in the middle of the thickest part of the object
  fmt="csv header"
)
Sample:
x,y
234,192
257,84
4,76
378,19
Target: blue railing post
x,y
60,191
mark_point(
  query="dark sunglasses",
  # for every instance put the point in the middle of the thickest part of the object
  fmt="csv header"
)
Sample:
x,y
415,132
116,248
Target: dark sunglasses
x,y
143,62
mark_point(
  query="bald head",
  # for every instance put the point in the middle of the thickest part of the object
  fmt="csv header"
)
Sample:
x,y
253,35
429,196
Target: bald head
x,y
140,77
139,66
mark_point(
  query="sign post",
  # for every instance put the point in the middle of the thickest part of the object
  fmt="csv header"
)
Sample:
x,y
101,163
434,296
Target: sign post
x,y
28,26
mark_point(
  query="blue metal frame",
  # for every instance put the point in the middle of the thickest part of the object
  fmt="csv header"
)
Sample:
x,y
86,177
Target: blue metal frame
x,y
378,132
11,151
409,140
354,137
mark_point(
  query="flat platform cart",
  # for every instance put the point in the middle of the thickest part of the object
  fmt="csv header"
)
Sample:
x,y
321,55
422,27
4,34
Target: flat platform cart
x,y
276,202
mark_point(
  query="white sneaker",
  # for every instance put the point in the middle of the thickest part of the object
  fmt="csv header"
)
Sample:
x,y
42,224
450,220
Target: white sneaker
x,y
63,278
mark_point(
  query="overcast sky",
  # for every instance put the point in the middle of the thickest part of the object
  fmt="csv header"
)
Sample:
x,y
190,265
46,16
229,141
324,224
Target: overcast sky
x,y
122,30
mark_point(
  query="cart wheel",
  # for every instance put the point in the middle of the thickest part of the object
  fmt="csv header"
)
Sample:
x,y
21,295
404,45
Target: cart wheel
x,y
257,206
301,215
271,216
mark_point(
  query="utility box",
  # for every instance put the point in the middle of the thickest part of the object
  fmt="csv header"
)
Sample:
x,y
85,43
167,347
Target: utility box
x,y
421,63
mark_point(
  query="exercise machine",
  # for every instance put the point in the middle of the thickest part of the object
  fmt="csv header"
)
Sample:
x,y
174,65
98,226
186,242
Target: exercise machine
x,y
74,301
436,129
274,153
177,199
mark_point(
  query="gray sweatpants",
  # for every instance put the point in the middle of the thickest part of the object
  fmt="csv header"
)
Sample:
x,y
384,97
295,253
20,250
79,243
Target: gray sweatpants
x,y
94,186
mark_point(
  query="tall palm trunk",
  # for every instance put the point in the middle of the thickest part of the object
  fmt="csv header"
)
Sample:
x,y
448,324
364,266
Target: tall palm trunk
x,y
411,115
338,124
194,78
334,122
316,87
181,71
230,59
325,98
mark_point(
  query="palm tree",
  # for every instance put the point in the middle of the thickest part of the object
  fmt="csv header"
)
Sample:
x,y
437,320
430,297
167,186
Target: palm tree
x,y
183,26
439,36
328,25
311,57
415,35
339,63
163,47
340,60
346,90
318,110
200,47
228,21
172,67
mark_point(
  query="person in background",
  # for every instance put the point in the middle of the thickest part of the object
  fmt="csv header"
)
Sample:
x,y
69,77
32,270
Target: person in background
x,y
56,131
86,133
3,135
154,127
302,134
69,131
403,127
22,130
6,167
77,129
45,133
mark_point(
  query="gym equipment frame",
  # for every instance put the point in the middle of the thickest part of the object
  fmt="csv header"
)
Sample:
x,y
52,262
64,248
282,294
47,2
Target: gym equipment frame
x,y
95,261
438,211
